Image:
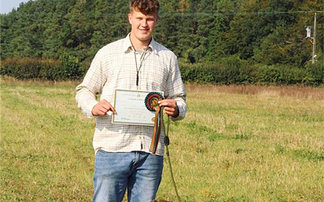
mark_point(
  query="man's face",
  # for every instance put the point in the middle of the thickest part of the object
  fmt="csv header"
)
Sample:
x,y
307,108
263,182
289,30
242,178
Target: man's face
x,y
142,25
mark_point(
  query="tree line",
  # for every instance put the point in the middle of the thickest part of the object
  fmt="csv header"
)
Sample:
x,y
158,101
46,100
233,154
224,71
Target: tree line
x,y
258,32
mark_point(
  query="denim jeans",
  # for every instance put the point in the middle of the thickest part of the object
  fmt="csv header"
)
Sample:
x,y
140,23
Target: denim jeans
x,y
138,172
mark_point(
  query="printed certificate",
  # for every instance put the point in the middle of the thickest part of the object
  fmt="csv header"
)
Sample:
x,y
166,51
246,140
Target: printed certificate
x,y
131,109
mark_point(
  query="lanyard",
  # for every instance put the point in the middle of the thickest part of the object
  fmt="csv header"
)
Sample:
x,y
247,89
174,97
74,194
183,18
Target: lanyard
x,y
141,63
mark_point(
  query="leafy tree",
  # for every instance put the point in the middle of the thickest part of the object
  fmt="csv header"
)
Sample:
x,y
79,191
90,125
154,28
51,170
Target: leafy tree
x,y
268,32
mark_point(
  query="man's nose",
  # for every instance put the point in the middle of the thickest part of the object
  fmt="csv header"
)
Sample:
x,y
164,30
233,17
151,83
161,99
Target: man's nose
x,y
144,23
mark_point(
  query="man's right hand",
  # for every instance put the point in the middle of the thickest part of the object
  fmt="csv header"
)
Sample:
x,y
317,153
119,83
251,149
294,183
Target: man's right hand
x,y
102,108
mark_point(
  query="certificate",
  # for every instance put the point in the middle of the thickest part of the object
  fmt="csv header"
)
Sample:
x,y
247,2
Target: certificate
x,y
131,109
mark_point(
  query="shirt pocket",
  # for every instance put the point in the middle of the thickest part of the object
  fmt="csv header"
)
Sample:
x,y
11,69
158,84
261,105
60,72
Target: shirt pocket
x,y
155,76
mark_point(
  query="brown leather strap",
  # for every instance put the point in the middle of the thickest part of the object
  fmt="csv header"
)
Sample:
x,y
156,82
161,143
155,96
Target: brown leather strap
x,y
156,131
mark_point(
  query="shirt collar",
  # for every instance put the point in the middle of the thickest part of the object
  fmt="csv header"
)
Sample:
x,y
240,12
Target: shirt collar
x,y
128,45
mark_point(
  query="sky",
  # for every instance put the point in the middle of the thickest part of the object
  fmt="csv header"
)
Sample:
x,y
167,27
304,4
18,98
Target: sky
x,y
6,6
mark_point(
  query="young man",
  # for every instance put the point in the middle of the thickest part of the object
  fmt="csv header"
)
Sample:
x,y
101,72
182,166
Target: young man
x,y
123,158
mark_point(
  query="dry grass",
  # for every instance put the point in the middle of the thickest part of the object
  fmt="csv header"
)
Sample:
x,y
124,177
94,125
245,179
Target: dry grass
x,y
292,91
237,143
250,143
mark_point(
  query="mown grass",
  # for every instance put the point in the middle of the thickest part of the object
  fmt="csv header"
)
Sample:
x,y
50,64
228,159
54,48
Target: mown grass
x,y
237,143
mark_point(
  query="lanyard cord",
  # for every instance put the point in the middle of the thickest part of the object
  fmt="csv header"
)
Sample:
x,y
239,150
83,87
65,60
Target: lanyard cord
x,y
141,62
140,65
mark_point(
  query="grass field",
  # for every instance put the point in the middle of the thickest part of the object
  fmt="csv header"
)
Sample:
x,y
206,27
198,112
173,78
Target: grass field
x,y
237,143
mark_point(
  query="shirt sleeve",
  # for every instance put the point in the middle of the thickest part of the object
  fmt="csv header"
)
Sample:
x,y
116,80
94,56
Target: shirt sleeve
x,y
91,86
176,89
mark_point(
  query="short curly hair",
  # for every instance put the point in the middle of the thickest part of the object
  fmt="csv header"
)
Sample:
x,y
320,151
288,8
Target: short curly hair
x,y
144,6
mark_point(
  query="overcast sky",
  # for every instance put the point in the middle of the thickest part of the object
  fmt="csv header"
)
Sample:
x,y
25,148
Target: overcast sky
x,y
7,5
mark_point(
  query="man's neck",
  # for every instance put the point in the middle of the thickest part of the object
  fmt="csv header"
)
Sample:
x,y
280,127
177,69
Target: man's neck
x,y
139,45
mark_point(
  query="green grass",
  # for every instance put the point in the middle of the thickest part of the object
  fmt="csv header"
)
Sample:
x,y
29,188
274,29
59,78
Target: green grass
x,y
236,144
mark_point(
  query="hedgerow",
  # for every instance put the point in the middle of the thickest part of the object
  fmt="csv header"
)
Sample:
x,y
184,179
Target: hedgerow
x,y
226,71
66,68
236,71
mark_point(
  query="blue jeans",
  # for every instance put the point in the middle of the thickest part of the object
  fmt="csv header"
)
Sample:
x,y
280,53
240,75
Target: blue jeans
x,y
138,172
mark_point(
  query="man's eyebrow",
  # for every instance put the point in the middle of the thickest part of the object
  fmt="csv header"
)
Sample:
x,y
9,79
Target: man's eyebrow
x,y
141,17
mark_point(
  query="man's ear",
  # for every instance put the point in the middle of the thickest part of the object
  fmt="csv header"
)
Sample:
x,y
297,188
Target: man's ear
x,y
130,18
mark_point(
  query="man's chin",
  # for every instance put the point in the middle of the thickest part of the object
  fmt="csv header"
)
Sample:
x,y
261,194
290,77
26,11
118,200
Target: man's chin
x,y
145,38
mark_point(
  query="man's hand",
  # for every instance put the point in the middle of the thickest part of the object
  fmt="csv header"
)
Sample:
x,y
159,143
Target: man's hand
x,y
102,108
170,107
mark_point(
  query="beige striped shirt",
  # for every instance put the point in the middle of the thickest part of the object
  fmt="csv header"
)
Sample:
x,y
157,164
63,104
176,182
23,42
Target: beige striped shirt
x,y
114,67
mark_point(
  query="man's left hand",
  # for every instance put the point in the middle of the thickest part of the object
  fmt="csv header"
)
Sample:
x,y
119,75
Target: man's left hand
x,y
170,107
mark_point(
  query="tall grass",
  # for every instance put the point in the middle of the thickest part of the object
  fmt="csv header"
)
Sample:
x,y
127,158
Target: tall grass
x,y
237,143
